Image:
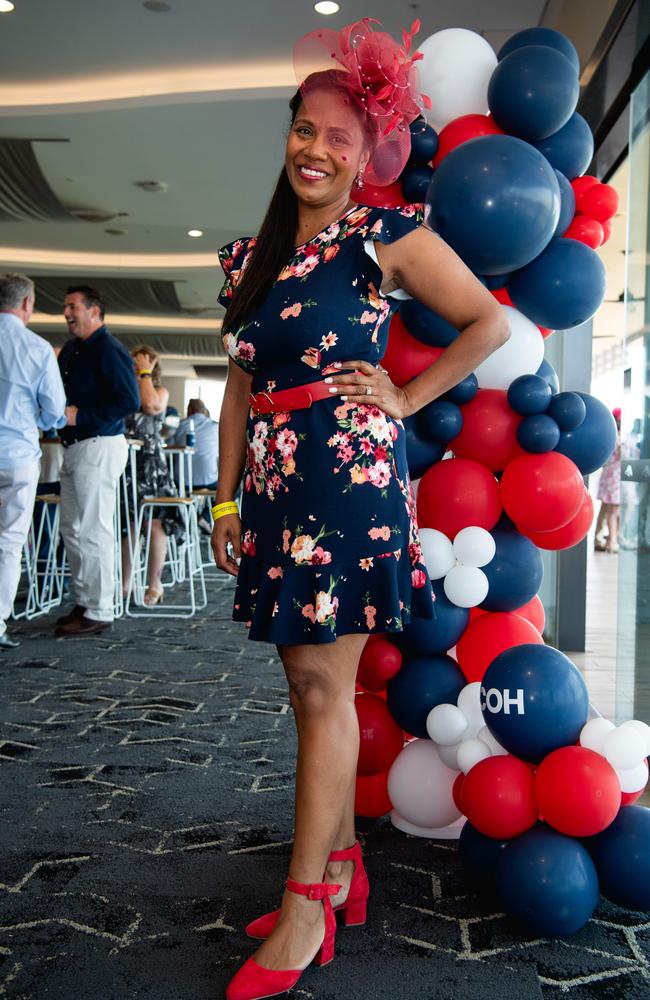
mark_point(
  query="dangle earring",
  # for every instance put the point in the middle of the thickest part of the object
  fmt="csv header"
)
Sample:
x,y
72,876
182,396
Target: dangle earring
x,y
359,180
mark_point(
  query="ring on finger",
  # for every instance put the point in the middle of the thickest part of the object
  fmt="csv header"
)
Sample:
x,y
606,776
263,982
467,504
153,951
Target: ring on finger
x,y
368,390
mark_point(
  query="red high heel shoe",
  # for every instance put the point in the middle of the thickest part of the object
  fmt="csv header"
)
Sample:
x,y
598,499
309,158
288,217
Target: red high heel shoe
x,y
354,906
253,981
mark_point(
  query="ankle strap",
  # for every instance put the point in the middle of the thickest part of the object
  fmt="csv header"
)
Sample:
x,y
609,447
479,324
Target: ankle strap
x,y
348,854
315,890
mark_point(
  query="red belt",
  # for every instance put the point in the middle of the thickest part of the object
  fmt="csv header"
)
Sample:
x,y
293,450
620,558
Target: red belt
x,y
289,399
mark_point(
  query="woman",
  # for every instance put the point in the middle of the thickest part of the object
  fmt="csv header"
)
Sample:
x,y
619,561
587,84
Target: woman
x,y
151,469
609,494
327,551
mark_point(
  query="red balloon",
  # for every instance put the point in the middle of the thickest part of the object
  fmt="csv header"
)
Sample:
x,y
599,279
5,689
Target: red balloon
x,y
582,184
489,433
489,635
462,129
371,797
378,663
607,230
406,356
381,737
534,613
457,493
542,492
569,534
545,332
502,295
578,791
456,790
390,196
600,201
586,230
498,797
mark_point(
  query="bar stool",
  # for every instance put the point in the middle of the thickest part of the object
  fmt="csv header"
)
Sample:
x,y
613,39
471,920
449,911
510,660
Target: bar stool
x,y
188,556
203,498
182,482
50,567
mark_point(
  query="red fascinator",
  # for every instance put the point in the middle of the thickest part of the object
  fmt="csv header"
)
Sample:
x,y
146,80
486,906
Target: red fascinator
x,y
379,75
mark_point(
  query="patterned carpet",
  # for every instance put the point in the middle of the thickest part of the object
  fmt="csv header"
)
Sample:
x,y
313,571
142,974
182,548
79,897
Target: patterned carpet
x,y
146,780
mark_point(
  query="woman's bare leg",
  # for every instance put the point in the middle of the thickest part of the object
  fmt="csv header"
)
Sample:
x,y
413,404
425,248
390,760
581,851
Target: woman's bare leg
x,y
321,687
157,552
613,510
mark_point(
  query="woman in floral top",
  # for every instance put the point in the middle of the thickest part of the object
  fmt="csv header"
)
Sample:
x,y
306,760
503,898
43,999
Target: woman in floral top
x,y
327,549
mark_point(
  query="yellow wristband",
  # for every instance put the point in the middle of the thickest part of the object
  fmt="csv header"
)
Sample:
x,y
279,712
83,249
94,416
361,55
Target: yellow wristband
x,y
145,371
223,509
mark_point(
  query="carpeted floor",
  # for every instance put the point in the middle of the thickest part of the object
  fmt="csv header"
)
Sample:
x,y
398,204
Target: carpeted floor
x,y
146,781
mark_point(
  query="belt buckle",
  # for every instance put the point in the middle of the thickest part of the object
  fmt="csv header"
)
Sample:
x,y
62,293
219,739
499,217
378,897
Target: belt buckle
x,y
252,399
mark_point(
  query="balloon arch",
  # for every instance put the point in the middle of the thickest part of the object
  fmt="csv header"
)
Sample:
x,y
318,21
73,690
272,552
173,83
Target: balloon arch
x,y
471,725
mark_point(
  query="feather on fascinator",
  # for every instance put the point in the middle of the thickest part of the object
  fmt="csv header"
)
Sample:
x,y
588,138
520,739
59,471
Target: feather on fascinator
x,y
380,77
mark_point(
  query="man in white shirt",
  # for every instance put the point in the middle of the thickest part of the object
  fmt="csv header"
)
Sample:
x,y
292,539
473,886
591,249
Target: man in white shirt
x,y
31,397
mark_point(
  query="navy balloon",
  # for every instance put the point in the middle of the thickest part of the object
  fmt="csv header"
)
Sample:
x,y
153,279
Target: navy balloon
x,y
548,882
480,856
533,92
529,394
420,685
593,441
415,181
496,201
463,392
423,636
440,420
420,453
496,281
562,288
426,325
424,142
621,854
567,205
514,573
541,36
538,433
568,410
570,149
535,700
548,373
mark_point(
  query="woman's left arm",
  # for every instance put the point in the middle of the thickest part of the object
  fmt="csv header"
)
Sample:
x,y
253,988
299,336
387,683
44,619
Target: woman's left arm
x,y
429,270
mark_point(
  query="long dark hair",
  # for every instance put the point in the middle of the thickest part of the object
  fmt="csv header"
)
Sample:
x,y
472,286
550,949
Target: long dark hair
x,y
275,241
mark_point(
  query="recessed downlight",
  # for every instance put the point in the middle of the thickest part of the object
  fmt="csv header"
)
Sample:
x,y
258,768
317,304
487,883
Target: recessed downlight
x,y
326,7
195,233
6,6
157,6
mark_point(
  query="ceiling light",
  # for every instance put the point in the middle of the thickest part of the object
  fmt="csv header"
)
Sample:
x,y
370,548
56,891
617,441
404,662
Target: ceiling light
x,y
326,7
6,6
157,6
195,232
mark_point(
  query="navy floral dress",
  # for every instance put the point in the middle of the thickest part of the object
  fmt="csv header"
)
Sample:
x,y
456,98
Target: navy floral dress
x,y
330,541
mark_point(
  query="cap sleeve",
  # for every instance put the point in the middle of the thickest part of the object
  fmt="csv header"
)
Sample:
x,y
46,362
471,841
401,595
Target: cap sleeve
x,y
233,258
389,225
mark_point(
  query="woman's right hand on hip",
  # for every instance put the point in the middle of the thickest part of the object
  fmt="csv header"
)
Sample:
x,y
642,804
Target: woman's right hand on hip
x,y
227,530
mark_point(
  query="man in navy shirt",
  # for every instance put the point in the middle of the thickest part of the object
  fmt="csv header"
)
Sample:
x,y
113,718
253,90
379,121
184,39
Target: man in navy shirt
x,y
101,391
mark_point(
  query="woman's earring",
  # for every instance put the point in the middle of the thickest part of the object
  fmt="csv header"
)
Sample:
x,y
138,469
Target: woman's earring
x,y
359,180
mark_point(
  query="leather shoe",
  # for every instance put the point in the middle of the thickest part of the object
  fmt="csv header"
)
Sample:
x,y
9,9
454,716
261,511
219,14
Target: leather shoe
x,y
77,612
7,643
81,627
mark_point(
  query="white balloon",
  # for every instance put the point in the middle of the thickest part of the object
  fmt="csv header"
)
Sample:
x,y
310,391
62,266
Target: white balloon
x,y
470,752
469,702
624,748
438,552
474,547
466,586
420,786
640,727
486,736
455,73
633,779
594,733
522,354
446,724
448,756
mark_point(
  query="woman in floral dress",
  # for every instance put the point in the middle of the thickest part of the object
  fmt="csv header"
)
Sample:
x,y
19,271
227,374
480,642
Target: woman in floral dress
x,y
327,549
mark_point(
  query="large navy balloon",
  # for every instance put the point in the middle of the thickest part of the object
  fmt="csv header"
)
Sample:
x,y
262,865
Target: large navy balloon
x,y
421,453
496,201
541,36
480,856
562,287
420,685
570,149
533,92
415,181
423,636
621,854
514,573
567,205
594,440
548,882
534,700
426,325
